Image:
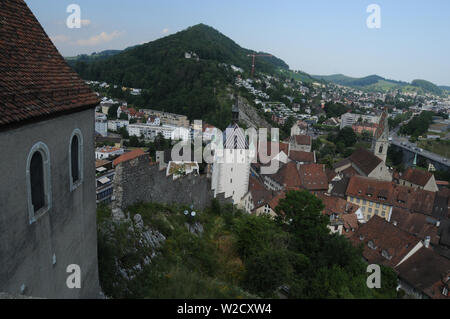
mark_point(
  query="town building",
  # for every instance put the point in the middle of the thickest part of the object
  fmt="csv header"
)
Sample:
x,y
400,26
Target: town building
x,y
418,179
107,152
101,124
348,119
364,163
300,143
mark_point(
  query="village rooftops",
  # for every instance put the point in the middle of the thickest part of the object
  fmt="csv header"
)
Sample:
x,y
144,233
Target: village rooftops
x,y
416,176
301,139
427,272
383,242
35,81
313,177
365,160
302,157
389,193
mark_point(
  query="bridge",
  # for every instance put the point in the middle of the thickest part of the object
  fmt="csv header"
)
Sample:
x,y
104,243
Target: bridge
x,y
411,149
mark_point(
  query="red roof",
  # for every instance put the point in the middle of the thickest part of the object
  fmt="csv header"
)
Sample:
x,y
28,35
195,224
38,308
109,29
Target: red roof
x,y
301,139
35,80
389,244
302,157
128,156
313,177
389,193
416,176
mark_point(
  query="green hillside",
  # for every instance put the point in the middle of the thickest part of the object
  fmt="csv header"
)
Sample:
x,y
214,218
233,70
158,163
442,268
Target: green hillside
x,y
172,82
378,83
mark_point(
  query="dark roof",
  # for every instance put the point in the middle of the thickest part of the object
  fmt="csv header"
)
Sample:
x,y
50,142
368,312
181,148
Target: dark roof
x,y
340,187
440,207
287,176
427,272
302,157
387,239
416,176
416,224
444,232
366,161
35,80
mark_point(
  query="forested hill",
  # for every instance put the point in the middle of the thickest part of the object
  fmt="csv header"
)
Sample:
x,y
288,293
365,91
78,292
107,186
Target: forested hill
x,y
172,82
380,84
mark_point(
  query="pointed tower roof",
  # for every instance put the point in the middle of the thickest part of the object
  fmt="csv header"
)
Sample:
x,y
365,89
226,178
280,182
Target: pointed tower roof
x,y
35,80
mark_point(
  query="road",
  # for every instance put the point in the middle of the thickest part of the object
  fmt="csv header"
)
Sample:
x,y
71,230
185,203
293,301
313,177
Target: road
x,y
404,142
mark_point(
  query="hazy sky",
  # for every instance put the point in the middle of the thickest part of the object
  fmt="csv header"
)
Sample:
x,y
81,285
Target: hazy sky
x,y
318,37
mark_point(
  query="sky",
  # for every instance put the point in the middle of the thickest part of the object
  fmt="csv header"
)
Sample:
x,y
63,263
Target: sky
x,y
319,37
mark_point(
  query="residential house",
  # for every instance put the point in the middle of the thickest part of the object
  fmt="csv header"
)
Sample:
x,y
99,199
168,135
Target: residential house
x,y
385,244
300,143
364,163
418,179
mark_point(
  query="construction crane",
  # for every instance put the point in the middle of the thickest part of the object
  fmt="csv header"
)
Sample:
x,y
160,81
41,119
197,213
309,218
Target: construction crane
x,y
254,55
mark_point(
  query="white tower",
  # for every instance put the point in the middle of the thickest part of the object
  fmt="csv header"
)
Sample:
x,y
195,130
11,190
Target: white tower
x,y
232,159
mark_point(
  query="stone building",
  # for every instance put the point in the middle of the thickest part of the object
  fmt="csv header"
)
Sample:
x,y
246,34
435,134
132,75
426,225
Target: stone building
x,y
47,171
380,142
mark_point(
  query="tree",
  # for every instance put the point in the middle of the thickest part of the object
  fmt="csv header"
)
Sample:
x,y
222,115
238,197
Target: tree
x,y
348,136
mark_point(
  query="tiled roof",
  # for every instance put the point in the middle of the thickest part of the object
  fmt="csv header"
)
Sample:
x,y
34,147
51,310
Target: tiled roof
x,y
427,272
385,239
301,139
416,224
366,161
389,193
287,176
302,157
273,203
416,176
128,156
313,177
35,80
336,205
269,149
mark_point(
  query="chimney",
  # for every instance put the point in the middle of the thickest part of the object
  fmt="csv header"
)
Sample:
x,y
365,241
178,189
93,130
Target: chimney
x,y
427,241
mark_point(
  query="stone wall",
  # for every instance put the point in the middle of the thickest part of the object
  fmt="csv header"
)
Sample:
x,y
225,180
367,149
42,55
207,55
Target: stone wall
x,y
139,180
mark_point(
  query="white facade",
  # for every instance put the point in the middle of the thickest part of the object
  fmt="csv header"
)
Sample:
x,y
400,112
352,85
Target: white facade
x,y
231,167
107,152
180,133
151,131
101,124
117,124
348,119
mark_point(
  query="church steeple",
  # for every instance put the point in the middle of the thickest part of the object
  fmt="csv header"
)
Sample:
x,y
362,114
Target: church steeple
x,y
380,142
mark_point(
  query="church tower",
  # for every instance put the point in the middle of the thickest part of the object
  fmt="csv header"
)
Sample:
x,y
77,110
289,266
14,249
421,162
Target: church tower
x,y
380,141
232,159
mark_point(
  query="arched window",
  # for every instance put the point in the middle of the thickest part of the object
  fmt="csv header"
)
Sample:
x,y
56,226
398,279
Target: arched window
x,y
76,159
75,167
381,149
38,181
